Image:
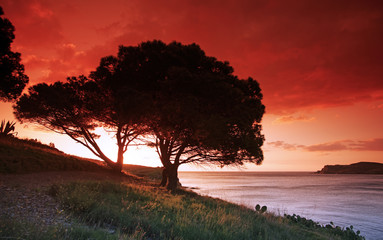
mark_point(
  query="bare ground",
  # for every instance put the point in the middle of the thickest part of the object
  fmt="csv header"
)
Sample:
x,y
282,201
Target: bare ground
x,y
25,196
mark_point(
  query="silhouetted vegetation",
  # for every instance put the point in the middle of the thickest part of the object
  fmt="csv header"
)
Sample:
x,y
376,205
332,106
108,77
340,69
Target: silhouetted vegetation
x,y
192,105
260,209
7,128
347,232
12,77
66,108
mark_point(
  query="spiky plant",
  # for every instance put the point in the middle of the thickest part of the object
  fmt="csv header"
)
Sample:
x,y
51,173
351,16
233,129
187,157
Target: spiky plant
x,y
6,129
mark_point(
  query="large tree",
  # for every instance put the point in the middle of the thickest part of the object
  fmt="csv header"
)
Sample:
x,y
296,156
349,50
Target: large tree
x,y
12,77
192,105
205,114
198,111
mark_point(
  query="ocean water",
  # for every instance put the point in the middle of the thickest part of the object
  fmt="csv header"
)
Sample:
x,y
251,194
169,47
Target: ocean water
x,y
345,200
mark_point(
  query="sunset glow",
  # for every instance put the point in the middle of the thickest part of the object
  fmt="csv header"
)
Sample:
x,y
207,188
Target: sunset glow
x,y
319,64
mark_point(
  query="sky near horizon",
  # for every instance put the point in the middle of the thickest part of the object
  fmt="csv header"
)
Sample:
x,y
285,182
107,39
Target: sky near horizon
x,y
319,64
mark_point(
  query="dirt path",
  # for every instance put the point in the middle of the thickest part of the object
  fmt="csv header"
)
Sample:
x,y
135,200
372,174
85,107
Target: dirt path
x,y
25,196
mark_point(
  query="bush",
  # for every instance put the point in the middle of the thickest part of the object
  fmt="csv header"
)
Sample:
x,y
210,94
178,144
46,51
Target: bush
x,y
6,129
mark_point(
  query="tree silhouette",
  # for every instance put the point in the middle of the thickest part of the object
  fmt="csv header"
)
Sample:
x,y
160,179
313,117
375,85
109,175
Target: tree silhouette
x,y
12,77
195,108
189,106
76,108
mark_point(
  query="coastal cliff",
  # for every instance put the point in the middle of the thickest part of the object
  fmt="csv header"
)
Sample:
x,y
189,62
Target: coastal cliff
x,y
355,168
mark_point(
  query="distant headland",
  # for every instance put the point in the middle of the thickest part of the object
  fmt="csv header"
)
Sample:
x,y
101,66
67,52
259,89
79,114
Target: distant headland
x,y
355,168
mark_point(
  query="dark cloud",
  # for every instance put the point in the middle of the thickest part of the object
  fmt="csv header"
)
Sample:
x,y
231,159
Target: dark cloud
x,y
37,26
305,54
344,145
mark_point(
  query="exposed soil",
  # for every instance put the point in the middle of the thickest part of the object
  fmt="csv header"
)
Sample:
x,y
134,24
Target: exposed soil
x,y
25,196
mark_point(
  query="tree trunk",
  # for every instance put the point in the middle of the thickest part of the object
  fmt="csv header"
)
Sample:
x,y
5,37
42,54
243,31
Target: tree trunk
x,y
172,177
115,167
118,168
120,160
164,178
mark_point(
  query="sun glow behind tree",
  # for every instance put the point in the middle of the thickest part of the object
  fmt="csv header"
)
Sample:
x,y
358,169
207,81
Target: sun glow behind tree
x,y
189,106
318,63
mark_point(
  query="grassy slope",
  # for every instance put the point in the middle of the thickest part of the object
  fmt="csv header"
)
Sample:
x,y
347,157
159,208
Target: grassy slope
x,y
142,171
109,210
24,156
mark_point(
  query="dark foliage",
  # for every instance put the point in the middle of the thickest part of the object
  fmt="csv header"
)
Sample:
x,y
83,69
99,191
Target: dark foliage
x,y
12,77
7,128
347,233
76,108
191,105
195,108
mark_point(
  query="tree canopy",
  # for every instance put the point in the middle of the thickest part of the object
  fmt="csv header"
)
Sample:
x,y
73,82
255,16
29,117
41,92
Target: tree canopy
x,y
12,77
196,109
76,108
189,106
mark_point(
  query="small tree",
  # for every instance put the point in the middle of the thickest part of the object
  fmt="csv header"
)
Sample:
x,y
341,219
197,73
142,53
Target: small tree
x,y
12,77
76,108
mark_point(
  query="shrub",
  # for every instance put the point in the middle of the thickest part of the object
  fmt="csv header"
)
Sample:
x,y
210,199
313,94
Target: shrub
x,y
6,129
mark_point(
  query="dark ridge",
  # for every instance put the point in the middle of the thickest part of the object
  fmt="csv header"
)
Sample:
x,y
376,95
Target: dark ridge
x,y
355,168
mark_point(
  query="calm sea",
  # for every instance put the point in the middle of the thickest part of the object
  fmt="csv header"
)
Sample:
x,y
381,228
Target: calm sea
x,y
342,199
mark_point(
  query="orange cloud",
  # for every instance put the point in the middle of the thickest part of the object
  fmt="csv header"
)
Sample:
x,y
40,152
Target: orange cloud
x,y
343,145
287,119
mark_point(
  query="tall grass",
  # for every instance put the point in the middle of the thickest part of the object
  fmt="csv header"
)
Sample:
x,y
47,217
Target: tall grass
x,y
152,213
106,210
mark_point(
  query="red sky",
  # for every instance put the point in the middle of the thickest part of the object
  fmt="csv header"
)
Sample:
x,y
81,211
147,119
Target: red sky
x,y
319,63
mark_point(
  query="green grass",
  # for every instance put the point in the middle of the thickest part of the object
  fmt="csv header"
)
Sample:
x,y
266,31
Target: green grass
x,y
142,171
110,210
156,214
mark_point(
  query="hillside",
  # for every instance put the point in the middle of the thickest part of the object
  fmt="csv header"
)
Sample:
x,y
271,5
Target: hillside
x,y
29,155
67,197
355,168
26,155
